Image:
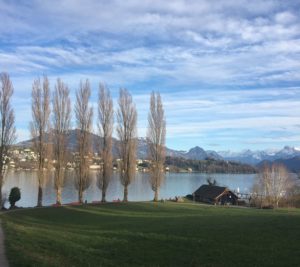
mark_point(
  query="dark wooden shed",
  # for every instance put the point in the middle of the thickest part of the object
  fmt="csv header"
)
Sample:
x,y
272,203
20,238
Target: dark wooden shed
x,y
215,195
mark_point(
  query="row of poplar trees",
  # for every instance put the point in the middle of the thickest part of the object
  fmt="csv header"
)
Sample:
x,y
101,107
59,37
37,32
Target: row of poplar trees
x,y
53,112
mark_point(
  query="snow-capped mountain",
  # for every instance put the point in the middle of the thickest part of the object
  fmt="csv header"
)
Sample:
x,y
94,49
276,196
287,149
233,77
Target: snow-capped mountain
x,y
287,152
254,157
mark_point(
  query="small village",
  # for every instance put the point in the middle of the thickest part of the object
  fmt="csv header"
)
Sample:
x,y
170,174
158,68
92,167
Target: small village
x,y
25,159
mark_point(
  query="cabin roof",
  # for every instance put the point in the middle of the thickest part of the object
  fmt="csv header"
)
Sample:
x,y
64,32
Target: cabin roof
x,y
210,191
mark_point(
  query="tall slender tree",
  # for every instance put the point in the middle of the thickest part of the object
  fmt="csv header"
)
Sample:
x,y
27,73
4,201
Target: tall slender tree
x,y
40,126
7,120
84,116
61,125
105,125
156,136
127,133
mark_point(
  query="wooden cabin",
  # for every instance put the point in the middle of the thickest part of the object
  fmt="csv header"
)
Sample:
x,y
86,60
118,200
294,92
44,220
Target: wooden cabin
x,y
217,195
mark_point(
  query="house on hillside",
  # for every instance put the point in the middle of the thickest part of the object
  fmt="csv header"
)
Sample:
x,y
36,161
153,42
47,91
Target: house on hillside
x,y
215,195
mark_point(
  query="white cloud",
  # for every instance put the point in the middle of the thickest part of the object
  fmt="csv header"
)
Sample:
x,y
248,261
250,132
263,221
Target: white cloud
x,y
285,17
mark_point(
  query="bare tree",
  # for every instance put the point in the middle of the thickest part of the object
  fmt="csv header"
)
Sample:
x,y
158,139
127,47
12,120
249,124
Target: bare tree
x,y
156,136
61,125
40,126
7,120
272,183
126,131
84,116
105,125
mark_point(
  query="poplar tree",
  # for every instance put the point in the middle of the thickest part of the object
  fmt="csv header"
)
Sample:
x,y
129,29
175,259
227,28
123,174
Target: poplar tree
x,y
105,125
40,126
156,136
7,120
127,133
61,125
84,116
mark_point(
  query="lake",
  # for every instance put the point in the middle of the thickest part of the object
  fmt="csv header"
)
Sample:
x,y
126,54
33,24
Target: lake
x,y
175,184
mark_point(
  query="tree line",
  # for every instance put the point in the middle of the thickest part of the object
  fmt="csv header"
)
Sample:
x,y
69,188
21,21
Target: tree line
x,y
208,165
52,112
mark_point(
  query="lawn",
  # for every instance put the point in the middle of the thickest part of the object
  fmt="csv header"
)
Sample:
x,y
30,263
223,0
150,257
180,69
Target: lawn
x,y
152,234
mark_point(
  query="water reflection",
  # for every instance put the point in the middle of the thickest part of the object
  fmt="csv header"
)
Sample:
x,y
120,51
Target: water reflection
x,y
175,184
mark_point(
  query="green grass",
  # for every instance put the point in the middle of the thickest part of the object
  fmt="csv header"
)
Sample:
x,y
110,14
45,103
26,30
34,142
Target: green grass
x,y
152,234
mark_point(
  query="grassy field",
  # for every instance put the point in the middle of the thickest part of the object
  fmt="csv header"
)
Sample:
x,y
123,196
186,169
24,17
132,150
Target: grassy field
x,y
149,234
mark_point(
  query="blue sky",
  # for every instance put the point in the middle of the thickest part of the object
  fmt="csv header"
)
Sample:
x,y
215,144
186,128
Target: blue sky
x,y
228,71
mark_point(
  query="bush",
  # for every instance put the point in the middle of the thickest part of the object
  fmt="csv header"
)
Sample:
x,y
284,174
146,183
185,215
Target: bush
x,y
189,197
14,196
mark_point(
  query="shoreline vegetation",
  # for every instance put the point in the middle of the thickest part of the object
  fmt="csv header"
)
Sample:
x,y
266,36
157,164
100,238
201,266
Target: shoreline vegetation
x,y
208,165
171,234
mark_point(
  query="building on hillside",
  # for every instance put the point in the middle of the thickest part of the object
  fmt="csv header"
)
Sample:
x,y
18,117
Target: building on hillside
x,y
215,195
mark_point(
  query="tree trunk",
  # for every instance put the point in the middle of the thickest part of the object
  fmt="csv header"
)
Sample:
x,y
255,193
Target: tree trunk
x,y
58,196
80,195
125,199
1,185
103,195
40,196
1,200
156,195
40,188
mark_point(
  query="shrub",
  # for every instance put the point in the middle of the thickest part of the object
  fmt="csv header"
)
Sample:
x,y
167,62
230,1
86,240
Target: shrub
x,y
189,197
14,196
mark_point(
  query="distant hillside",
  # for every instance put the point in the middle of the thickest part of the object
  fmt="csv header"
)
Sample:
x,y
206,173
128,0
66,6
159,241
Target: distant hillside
x,y
72,142
208,166
198,153
195,153
292,164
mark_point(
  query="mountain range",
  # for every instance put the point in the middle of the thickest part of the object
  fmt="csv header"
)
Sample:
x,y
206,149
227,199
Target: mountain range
x,y
254,157
248,156
196,153
288,156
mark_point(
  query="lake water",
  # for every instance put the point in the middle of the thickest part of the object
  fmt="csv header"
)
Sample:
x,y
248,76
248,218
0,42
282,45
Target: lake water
x,y
175,184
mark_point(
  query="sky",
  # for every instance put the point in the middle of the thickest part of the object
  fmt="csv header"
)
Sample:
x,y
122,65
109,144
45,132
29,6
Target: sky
x,y
228,71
